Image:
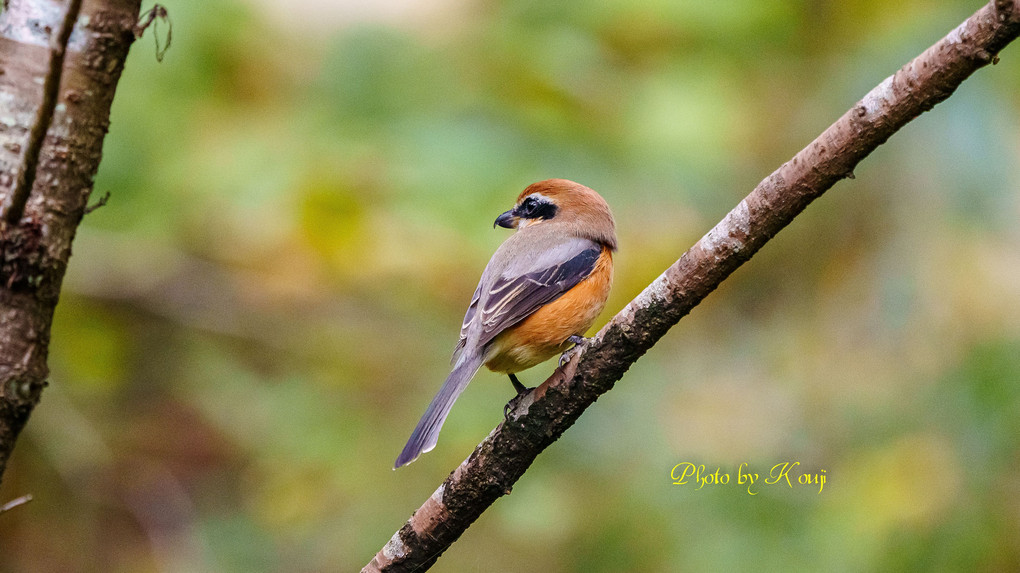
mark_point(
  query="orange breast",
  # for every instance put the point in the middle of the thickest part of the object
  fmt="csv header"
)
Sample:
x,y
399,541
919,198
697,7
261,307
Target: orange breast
x,y
543,334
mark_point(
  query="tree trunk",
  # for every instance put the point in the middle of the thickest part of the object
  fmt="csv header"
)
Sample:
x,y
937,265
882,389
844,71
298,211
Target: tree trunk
x,y
35,249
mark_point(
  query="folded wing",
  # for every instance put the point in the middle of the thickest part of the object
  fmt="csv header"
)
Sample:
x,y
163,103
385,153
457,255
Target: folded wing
x,y
516,293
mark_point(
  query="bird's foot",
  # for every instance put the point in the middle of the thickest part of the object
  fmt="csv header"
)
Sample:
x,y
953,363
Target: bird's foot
x,y
579,342
522,391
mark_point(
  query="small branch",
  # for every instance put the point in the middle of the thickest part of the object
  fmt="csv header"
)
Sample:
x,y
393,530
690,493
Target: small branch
x,y
43,118
151,18
503,457
15,503
100,203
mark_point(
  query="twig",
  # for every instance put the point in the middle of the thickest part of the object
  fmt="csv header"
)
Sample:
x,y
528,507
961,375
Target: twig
x,y
100,203
503,457
16,502
43,118
151,18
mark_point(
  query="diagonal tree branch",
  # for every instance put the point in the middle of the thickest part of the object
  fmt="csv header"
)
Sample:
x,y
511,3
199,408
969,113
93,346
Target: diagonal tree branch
x,y
503,457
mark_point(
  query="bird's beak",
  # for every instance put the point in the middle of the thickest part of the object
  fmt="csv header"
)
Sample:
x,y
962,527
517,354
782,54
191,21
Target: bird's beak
x,y
507,220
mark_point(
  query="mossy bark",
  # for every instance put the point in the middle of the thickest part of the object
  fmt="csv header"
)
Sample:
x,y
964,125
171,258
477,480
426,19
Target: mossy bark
x,y
35,251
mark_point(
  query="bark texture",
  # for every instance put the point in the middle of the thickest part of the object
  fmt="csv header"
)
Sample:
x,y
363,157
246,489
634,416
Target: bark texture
x,y
500,460
34,251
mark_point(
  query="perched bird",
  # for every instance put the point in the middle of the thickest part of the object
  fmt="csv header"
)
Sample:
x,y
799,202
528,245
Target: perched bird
x,y
542,289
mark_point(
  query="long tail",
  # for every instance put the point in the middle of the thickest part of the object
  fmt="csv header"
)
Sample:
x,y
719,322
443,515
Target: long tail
x,y
426,433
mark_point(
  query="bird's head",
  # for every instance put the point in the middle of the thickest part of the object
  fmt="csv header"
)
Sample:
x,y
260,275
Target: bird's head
x,y
575,208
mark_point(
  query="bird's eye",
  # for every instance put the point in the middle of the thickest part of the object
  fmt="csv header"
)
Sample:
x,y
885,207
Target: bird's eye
x,y
528,207
535,208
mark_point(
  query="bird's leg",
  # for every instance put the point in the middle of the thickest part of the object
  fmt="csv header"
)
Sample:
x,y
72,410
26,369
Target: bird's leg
x,y
579,342
522,391
521,388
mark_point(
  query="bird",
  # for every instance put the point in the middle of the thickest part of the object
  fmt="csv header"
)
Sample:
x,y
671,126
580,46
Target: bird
x,y
541,291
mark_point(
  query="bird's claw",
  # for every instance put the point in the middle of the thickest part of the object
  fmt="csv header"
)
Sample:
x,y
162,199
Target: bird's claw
x,y
514,402
579,342
521,390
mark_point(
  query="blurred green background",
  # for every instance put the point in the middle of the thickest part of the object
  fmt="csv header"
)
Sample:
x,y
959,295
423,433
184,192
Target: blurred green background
x,y
302,197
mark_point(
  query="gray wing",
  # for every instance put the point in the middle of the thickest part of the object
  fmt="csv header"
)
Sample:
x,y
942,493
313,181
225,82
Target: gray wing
x,y
505,296
468,317
512,299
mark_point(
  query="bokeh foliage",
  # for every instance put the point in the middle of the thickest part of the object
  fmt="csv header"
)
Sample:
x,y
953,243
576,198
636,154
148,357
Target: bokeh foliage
x,y
298,215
